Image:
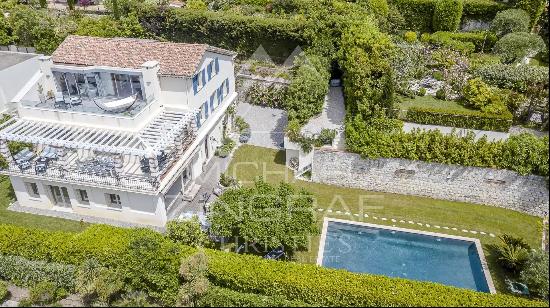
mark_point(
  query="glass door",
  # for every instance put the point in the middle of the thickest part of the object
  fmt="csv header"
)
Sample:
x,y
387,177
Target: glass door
x,y
60,196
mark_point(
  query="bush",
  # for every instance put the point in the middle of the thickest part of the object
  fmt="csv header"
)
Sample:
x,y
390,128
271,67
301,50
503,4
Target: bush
x,y
222,297
97,284
447,15
508,21
535,273
23,272
308,88
187,232
46,293
478,60
410,36
302,282
421,92
513,253
4,293
227,180
533,7
445,39
513,47
465,42
478,95
469,119
517,78
417,13
241,124
482,9
225,149
441,94
270,96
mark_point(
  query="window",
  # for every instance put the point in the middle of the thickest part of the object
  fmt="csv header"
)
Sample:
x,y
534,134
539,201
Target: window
x,y
205,108
32,190
113,200
82,196
209,71
217,65
212,98
198,117
226,86
199,81
220,94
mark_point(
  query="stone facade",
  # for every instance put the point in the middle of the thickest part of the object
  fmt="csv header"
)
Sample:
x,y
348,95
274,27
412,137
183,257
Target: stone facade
x,y
503,188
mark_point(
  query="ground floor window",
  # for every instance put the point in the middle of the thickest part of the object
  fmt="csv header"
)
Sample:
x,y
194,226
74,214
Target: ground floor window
x,y
82,196
113,200
60,196
32,190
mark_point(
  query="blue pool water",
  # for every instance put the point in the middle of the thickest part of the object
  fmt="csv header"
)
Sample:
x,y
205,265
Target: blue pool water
x,y
391,253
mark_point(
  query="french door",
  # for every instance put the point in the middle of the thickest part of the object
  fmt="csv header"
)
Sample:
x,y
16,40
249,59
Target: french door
x,y
60,196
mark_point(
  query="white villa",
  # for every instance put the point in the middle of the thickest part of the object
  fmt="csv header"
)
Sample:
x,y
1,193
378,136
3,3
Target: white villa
x,y
118,128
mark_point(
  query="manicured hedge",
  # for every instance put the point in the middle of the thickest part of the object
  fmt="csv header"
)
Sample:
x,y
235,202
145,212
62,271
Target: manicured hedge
x,y
419,13
447,15
469,119
249,274
237,32
222,297
482,41
23,272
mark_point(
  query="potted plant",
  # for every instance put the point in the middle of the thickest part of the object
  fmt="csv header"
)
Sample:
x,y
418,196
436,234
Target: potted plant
x,y
41,95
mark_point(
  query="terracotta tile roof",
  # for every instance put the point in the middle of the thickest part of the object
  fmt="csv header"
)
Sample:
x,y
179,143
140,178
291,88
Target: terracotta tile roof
x,y
176,59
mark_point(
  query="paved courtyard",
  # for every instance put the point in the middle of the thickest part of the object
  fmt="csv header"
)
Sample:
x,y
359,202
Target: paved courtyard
x,y
266,124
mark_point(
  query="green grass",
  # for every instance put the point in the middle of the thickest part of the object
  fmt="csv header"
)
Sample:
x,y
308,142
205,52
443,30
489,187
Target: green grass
x,y
429,101
250,162
30,220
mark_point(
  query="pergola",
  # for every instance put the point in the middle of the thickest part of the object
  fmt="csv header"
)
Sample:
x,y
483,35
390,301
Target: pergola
x,y
170,131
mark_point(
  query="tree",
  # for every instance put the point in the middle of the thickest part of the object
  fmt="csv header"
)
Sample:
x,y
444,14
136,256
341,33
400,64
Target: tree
x,y
43,3
187,232
270,216
535,273
513,252
508,21
6,38
97,284
513,47
70,4
193,271
533,7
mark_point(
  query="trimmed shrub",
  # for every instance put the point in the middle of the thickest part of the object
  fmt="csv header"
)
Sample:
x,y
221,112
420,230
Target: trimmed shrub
x,y
465,119
465,42
421,92
480,96
377,7
441,94
517,78
23,272
508,21
222,297
513,47
417,13
307,283
187,232
410,36
272,96
447,15
482,9
444,39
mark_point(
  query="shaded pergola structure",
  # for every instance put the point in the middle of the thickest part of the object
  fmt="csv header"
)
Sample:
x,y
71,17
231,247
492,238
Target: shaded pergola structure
x,y
168,135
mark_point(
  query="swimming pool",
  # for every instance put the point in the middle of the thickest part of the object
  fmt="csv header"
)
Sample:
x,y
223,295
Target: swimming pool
x,y
396,252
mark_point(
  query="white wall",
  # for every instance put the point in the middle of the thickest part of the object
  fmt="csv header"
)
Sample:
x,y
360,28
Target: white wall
x,y
136,208
13,78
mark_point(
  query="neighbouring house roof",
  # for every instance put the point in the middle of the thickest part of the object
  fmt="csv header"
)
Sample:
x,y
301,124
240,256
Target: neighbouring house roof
x,y
175,59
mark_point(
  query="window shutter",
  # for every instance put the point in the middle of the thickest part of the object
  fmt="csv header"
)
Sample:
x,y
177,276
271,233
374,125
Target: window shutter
x,y
206,110
209,70
226,86
219,91
195,84
212,101
217,63
198,118
203,77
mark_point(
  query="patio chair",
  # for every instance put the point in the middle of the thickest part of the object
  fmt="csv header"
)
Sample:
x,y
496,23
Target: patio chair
x,y
24,165
40,167
275,254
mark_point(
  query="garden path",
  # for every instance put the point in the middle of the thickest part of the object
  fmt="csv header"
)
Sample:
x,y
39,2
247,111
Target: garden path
x,y
267,125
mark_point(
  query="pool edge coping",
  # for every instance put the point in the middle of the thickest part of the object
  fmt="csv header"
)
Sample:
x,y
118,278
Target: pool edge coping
x,y
476,241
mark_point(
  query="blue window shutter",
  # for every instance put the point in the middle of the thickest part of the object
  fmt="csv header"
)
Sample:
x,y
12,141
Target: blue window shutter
x,y
217,63
203,78
227,85
198,118
212,101
209,71
206,110
196,84
219,92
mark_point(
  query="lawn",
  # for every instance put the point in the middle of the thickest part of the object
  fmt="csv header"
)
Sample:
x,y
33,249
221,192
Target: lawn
x,y
249,162
429,101
30,220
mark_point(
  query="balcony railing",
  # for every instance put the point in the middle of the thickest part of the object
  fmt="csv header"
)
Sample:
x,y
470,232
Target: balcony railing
x,y
137,183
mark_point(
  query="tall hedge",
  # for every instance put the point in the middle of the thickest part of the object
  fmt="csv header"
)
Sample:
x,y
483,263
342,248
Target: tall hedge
x,y
447,15
241,33
306,283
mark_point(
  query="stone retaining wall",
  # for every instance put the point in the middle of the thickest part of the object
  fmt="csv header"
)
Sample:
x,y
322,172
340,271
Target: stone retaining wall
x,y
503,188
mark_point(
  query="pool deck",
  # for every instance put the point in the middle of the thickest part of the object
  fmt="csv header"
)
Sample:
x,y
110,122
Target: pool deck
x,y
477,242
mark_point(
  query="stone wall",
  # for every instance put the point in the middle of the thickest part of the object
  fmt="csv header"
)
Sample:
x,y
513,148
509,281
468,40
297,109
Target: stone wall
x,y
501,188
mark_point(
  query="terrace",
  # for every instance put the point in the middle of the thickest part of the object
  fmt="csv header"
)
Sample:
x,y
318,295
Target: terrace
x,y
91,90
92,156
